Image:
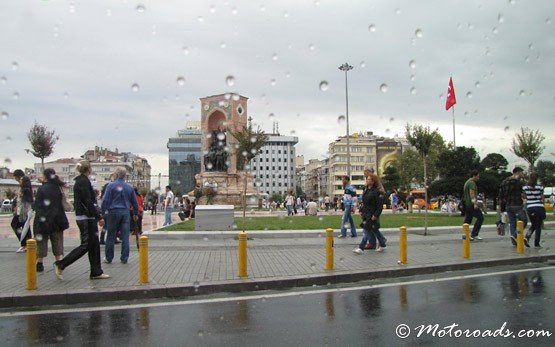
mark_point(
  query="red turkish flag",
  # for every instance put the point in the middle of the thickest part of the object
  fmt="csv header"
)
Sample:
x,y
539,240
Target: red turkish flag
x,y
451,99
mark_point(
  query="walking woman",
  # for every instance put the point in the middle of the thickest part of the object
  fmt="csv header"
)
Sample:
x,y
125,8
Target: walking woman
x,y
87,216
371,210
535,208
50,217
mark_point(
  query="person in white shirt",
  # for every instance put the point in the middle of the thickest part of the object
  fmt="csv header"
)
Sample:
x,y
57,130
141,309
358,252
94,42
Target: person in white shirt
x,y
312,208
168,206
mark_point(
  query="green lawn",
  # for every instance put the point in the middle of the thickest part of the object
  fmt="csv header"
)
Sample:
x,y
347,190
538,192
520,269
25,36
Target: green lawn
x,y
323,222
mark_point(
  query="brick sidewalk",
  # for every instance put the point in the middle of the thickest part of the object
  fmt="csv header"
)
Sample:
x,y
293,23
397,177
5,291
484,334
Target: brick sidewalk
x,y
180,268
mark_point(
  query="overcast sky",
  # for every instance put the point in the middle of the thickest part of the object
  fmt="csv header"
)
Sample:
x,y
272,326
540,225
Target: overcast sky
x,y
71,65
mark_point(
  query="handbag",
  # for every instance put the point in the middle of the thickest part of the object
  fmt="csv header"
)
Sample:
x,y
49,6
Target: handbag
x,y
65,204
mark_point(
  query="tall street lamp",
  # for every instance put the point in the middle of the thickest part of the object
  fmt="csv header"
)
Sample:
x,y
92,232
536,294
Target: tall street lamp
x,y
346,67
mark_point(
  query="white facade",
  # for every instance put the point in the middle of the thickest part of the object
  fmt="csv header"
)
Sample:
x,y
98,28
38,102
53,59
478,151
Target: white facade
x,y
275,165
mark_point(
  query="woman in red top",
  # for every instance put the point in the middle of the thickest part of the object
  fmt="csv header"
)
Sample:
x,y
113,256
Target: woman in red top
x,y
137,227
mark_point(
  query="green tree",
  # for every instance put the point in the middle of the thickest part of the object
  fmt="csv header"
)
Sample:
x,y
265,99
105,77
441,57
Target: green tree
x,y
391,179
546,172
277,197
458,162
299,191
494,161
42,142
249,143
422,139
528,145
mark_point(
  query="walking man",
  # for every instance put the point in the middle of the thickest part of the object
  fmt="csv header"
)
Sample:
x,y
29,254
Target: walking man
x,y
471,206
168,206
119,198
510,199
348,203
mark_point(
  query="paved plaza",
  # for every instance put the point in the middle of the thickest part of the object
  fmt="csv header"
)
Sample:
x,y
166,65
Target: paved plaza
x,y
191,263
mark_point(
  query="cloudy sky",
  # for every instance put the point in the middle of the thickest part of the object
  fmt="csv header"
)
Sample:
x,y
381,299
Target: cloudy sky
x,y
71,65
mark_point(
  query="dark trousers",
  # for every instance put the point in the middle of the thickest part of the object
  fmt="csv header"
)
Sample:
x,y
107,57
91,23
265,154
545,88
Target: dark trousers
x,y
16,226
537,215
88,231
471,212
371,232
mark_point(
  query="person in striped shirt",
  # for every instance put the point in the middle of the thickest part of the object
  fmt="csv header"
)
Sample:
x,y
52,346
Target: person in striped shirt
x,y
534,207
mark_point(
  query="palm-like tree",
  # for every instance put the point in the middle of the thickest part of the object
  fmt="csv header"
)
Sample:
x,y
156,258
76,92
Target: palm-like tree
x,y
422,139
249,143
42,142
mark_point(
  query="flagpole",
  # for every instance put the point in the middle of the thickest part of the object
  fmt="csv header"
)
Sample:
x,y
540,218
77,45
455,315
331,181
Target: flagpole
x,y
454,143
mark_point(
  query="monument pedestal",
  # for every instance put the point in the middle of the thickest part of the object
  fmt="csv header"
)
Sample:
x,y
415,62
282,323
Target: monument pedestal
x,y
228,188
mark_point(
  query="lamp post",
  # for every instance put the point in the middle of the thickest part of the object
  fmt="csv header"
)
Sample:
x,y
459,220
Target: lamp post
x,y
346,67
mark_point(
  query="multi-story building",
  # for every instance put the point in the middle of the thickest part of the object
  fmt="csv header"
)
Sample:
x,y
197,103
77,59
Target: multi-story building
x,y
184,158
275,165
366,151
317,172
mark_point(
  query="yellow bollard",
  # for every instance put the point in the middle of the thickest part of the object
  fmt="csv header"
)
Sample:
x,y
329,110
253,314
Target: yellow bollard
x,y
31,264
403,245
329,249
143,259
520,237
466,241
243,254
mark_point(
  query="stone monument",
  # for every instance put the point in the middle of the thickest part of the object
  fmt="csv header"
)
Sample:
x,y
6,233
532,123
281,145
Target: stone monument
x,y
221,179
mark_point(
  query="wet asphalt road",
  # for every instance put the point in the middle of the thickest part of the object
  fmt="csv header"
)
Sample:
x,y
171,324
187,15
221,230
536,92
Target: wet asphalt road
x,y
346,317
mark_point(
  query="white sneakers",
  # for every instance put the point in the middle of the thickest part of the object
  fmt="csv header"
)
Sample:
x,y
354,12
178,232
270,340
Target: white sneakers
x,y
58,272
357,251
21,250
379,249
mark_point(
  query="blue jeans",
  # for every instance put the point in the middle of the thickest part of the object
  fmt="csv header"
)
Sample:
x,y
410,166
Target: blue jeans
x,y
514,212
168,216
118,219
471,212
348,218
367,237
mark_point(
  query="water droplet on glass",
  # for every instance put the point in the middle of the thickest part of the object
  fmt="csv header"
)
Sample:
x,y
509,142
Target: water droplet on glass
x,y
494,30
200,333
311,47
212,9
234,11
42,219
372,28
230,80
3,80
412,64
135,87
548,20
275,57
531,46
397,11
418,33
5,115
222,45
341,119
140,8
469,95
185,50
477,84
273,82
200,19
221,136
38,237
271,115
258,182
285,15
500,18
72,8
413,90
287,74
347,225
362,64
512,2
324,86
180,81
522,93
15,65
108,12
506,128
15,96
383,88
7,161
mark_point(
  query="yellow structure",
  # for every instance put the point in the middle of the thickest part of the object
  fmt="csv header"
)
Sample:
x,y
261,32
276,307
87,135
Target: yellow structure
x,y
243,254
403,245
466,241
31,264
520,237
143,259
329,249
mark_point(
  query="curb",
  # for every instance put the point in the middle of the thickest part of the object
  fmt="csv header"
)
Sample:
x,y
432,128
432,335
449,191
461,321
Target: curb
x,y
153,291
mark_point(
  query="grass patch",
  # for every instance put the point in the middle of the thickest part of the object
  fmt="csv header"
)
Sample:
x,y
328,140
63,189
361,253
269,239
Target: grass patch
x,y
413,220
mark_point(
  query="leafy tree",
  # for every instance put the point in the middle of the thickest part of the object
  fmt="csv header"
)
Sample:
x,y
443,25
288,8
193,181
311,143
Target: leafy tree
x,y
489,184
528,145
458,162
391,178
546,172
249,143
277,197
299,191
423,139
494,161
42,142
448,185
